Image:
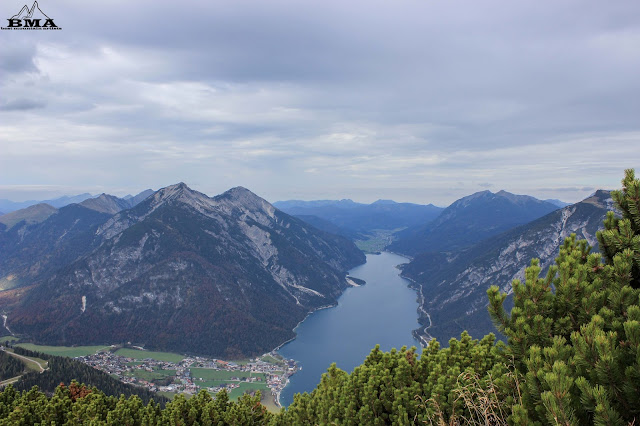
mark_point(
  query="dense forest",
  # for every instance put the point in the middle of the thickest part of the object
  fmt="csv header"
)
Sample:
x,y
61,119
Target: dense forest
x,y
572,358
9,366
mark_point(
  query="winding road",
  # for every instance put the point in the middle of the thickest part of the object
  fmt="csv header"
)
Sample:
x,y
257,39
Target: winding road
x,y
26,359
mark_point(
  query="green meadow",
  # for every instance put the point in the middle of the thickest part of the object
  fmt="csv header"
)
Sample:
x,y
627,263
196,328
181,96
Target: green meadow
x,y
68,351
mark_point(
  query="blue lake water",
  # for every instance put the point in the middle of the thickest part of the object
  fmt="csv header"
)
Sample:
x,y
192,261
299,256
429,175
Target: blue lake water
x,y
384,312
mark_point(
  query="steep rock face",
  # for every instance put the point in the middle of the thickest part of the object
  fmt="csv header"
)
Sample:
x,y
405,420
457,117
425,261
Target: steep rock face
x,y
227,276
453,285
470,220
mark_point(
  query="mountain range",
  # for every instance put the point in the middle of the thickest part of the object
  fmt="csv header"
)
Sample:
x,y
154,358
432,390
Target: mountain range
x,y
7,206
357,220
453,285
225,276
232,275
470,220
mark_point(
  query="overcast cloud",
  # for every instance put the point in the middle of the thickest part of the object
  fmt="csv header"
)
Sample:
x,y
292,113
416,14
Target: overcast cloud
x,y
422,101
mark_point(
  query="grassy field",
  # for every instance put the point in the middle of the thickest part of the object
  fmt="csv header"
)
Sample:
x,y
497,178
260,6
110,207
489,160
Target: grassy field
x,y
213,378
158,356
68,351
378,240
248,387
273,360
8,339
169,395
30,362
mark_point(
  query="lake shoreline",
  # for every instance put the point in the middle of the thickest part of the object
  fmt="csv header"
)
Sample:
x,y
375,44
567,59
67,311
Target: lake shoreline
x,y
384,311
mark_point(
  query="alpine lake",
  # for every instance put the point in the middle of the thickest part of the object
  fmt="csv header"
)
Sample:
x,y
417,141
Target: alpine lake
x,y
381,312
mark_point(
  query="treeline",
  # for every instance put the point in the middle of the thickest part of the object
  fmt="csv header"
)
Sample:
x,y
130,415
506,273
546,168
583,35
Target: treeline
x,y
78,404
29,353
63,370
572,359
9,366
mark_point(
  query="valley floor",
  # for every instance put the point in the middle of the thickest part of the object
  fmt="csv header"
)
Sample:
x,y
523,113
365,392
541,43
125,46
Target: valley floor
x,y
170,374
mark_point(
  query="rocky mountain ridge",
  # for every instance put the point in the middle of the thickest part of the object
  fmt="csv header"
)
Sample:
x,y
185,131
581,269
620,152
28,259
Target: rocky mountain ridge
x,y
228,275
470,220
453,285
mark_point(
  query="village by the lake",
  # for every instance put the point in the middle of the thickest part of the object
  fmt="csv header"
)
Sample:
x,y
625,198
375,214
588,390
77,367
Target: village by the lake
x,y
170,374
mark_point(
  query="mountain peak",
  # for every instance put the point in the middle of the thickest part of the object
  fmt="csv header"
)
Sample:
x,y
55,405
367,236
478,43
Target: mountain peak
x,y
32,214
465,201
515,198
179,192
239,190
177,186
173,191
106,203
601,198
241,196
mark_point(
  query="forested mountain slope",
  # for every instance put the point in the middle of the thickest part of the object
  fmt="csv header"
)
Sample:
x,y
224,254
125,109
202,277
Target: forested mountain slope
x,y
226,276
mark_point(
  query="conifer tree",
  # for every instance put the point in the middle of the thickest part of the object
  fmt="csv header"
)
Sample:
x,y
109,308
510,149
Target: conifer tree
x,y
575,334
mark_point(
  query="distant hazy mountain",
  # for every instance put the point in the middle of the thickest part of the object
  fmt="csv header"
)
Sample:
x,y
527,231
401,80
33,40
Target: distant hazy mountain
x,y
227,276
31,215
111,204
362,218
454,285
10,206
470,220
136,199
557,202
301,204
39,239
106,203
326,226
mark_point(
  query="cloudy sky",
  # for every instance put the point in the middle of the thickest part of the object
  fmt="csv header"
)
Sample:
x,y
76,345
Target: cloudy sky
x,y
423,101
